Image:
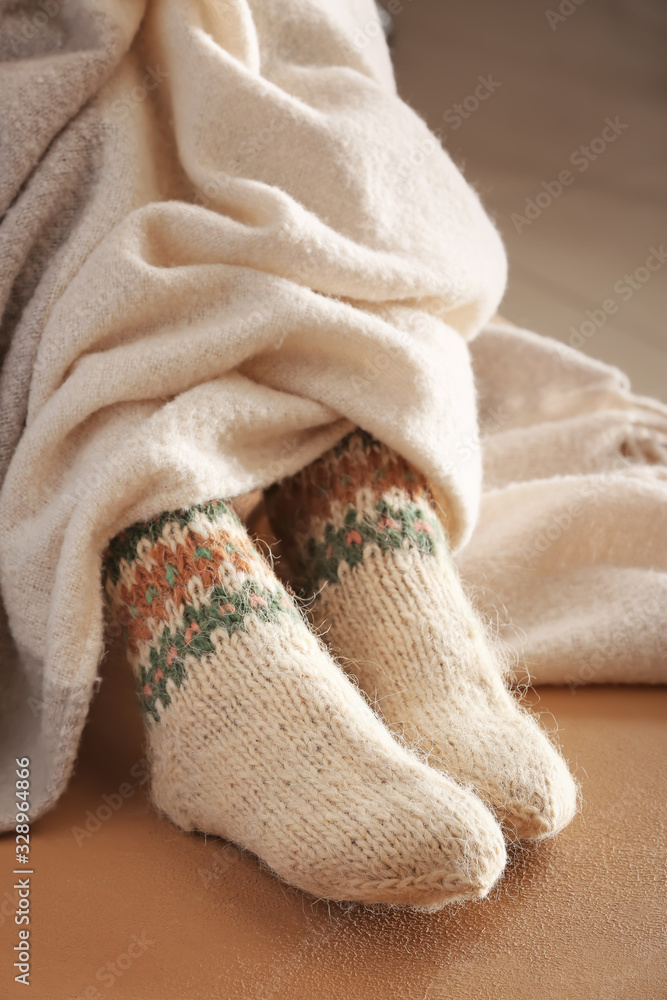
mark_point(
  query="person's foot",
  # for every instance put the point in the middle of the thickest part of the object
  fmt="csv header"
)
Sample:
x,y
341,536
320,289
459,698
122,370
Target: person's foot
x,y
257,735
362,532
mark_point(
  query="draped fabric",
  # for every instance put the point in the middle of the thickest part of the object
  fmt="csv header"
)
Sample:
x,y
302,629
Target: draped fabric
x,y
225,242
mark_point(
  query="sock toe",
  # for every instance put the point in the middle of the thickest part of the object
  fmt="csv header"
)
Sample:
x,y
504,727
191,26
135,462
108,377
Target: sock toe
x,y
520,773
548,804
432,843
310,780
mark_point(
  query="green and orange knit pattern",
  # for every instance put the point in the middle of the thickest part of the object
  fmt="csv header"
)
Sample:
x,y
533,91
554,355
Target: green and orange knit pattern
x,y
175,580
360,493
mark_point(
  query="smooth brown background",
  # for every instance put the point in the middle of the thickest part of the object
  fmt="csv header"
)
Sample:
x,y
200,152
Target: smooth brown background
x,y
582,917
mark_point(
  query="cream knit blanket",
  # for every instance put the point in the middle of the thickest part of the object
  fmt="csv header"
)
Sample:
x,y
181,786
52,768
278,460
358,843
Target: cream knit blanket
x,y
225,242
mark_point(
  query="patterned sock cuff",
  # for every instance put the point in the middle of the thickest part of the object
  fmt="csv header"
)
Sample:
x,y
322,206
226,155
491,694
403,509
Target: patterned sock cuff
x,y
178,584
358,494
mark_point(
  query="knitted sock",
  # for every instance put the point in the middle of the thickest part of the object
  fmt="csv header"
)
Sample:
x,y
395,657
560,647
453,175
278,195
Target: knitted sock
x,y
256,734
360,527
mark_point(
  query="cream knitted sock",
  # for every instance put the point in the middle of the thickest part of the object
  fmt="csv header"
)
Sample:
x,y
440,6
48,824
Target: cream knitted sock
x,y
360,526
255,733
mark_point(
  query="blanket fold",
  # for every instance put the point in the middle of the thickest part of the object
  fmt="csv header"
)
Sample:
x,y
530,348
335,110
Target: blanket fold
x,y
569,556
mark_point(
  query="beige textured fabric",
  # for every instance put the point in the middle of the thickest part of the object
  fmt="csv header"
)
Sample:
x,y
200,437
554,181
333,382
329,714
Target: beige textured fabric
x,y
569,557
241,225
361,528
256,735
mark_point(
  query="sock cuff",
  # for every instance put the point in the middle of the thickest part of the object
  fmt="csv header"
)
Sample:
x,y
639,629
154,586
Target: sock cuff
x,y
179,582
128,544
360,494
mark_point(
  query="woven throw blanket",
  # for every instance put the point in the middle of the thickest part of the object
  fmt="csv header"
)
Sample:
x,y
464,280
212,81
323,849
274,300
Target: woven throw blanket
x,y
225,242
569,556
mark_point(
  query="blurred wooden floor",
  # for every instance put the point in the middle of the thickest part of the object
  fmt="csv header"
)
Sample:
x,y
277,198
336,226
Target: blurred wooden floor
x,y
558,80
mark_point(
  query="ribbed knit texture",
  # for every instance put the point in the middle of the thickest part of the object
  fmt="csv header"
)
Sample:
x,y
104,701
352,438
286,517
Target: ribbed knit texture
x,y
256,734
360,528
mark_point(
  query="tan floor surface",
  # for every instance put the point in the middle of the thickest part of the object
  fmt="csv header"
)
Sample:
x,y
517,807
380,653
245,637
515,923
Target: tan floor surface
x,y
582,918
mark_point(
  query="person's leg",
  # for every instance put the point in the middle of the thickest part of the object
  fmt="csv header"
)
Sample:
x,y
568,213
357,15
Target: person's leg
x,y
362,532
255,733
